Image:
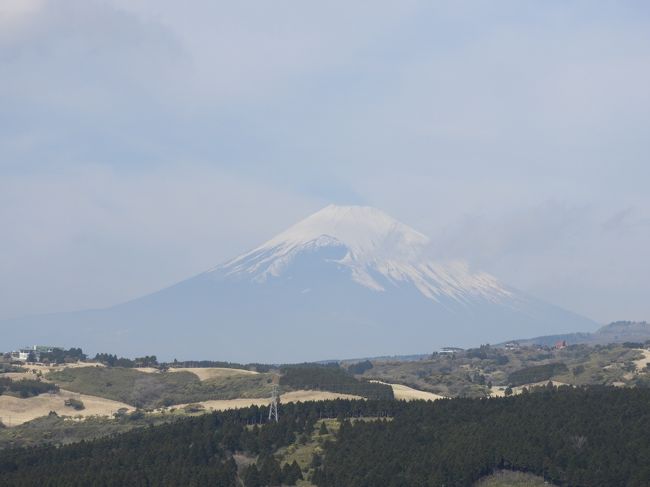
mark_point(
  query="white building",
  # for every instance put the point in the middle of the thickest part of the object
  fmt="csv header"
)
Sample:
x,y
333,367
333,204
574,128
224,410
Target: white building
x,y
449,350
23,353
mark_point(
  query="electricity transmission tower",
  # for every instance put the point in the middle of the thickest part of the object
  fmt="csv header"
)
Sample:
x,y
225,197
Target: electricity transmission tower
x,y
273,408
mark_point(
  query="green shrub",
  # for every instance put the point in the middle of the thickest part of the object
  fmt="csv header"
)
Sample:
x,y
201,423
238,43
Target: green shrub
x,y
75,404
194,408
4,368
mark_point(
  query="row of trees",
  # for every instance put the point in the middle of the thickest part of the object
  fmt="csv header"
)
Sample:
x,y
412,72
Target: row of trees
x,y
111,360
26,387
60,356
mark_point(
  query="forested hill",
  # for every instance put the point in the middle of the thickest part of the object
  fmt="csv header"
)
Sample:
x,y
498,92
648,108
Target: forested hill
x,y
196,451
571,436
580,437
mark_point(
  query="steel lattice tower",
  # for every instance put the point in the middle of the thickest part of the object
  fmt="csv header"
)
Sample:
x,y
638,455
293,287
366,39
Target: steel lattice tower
x,y
273,407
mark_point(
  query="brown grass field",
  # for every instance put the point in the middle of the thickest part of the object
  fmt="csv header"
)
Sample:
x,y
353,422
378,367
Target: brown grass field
x,y
15,411
406,393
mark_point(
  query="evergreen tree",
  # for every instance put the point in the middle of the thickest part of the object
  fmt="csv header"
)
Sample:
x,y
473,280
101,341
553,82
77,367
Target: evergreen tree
x,y
323,429
270,471
251,477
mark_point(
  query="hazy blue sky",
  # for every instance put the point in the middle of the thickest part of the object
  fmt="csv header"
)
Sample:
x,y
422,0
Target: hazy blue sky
x,y
143,141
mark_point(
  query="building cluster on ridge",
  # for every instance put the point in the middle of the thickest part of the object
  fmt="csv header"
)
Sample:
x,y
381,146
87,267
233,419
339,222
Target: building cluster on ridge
x,y
33,353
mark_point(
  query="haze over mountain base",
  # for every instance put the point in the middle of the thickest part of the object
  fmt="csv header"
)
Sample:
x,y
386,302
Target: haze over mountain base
x,y
345,282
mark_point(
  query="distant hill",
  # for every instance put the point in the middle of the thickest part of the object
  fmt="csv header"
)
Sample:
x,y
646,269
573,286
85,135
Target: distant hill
x,y
616,332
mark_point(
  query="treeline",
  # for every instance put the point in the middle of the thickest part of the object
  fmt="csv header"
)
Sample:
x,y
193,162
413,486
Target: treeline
x,y
536,373
189,452
60,355
111,360
332,378
26,387
74,354
593,437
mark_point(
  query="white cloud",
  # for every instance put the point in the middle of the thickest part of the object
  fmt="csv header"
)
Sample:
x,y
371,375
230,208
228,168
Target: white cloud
x,y
10,9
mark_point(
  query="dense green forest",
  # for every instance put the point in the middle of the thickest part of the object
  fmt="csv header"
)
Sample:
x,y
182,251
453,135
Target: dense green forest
x,y
332,378
194,451
595,436
580,437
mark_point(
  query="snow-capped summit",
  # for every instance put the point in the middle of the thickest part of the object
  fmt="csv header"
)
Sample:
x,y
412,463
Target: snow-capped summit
x,y
347,281
366,231
378,251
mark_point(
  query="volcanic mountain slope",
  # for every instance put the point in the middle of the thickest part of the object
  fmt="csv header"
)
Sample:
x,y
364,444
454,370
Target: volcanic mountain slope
x,y
346,281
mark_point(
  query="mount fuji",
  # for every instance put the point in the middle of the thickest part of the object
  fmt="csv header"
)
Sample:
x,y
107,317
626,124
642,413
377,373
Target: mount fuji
x,y
348,281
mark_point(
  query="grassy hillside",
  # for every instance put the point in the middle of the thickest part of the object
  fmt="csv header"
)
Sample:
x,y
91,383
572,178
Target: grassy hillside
x,y
470,373
57,431
507,478
151,390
